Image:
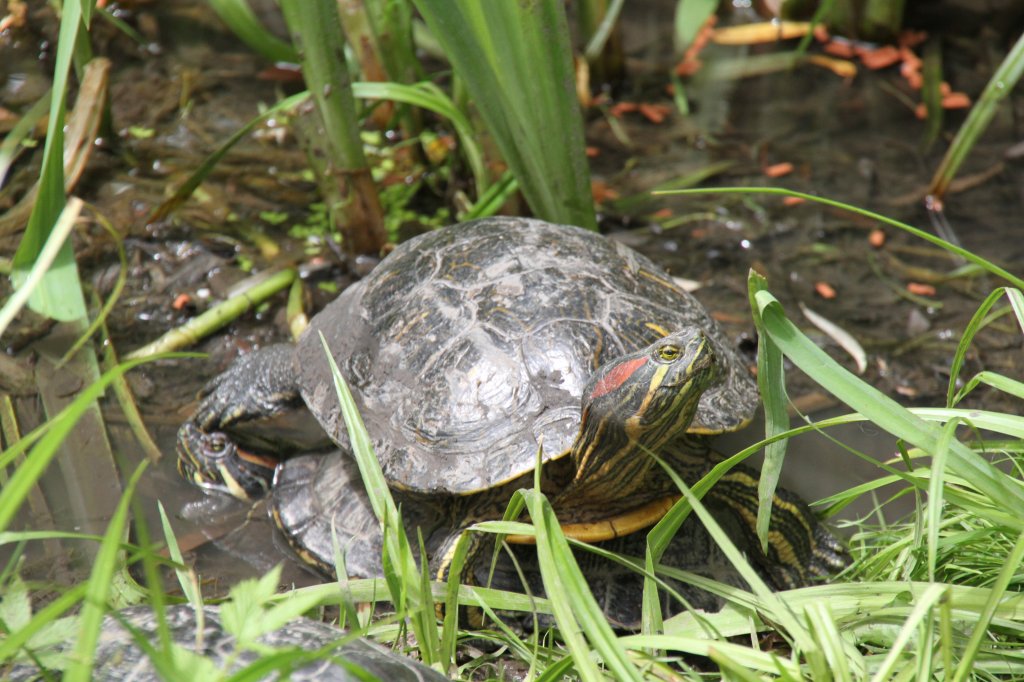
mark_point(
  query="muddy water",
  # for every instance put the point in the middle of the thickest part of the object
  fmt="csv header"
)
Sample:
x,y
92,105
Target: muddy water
x,y
854,141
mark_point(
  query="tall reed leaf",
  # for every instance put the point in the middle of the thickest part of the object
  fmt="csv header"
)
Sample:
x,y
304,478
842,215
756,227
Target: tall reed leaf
x,y
347,183
516,61
59,295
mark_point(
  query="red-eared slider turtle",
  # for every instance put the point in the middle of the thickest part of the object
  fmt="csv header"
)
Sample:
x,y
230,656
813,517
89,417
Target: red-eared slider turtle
x,y
333,655
469,348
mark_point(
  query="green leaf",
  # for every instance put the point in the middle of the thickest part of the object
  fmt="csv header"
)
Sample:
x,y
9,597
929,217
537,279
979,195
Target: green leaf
x,y
690,16
15,607
98,587
59,294
516,61
580,619
241,615
886,412
771,381
240,19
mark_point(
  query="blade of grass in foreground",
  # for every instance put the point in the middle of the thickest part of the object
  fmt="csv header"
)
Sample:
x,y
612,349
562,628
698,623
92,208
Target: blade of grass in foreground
x,y
46,447
396,545
98,587
516,61
45,258
574,606
885,412
771,381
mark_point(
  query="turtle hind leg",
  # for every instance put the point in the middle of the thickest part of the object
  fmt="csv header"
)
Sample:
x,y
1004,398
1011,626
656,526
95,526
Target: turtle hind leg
x,y
258,384
801,550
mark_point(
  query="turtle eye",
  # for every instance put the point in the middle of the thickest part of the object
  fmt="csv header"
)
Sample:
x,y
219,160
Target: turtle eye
x,y
216,444
669,353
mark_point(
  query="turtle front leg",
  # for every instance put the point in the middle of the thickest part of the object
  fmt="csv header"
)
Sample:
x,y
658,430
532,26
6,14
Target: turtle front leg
x,y
260,384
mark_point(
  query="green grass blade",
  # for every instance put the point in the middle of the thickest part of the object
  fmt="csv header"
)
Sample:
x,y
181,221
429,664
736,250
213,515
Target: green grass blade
x,y
59,294
580,619
516,61
973,327
396,545
921,234
882,410
98,587
240,19
48,259
186,579
11,144
999,86
771,381
936,484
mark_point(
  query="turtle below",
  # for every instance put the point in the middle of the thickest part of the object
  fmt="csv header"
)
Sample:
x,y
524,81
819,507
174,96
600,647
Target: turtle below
x,y
470,348
119,657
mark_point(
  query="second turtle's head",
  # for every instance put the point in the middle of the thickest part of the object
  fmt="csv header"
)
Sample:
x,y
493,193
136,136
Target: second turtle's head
x,y
212,461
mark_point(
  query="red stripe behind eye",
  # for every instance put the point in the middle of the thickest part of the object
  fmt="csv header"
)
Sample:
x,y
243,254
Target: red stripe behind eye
x,y
616,377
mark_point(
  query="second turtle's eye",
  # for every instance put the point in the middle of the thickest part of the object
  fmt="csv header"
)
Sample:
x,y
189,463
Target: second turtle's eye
x,y
668,353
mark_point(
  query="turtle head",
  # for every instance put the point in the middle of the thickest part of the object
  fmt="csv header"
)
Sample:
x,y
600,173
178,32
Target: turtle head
x,y
212,461
639,402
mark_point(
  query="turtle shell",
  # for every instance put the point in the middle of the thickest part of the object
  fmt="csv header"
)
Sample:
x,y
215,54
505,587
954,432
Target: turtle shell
x,y
468,348
118,655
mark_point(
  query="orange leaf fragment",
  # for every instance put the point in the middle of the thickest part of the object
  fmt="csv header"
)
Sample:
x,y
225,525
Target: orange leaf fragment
x,y
821,33
620,108
881,58
956,100
777,170
920,289
688,67
793,201
840,48
592,151
825,290
877,238
911,38
662,213
602,192
180,301
655,113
